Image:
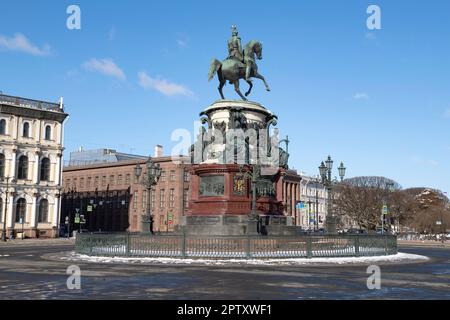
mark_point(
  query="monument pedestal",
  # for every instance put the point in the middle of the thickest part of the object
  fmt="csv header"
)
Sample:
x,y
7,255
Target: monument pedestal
x,y
222,176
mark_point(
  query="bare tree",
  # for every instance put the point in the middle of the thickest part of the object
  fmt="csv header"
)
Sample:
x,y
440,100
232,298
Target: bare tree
x,y
360,199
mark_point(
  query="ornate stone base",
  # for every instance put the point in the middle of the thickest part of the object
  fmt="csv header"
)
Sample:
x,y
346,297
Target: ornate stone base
x,y
229,225
219,189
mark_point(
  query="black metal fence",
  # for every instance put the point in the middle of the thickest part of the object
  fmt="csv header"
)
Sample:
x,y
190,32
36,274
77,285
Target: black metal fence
x,y
234,247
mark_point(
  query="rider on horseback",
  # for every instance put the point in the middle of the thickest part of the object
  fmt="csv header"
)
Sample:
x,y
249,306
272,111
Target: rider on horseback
x,y
234,45
235,52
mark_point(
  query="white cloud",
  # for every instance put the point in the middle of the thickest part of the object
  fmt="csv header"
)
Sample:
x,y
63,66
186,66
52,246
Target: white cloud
x,y
447,113
20,43
370,36
361,96
163,86
419,160
112,34
106,67
182,41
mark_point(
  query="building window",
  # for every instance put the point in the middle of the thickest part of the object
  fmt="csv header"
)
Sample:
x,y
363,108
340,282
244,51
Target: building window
x,y
171,198
163,176
88,182
153,199
45,169
111,180
144,200
134,223
162,222
26,130
74,183
127,179
186,176
81,183
161,198
2,165
21,207
135,200
119,179
104,181
96,180
186,198
43,211
2,126
48,133
23,168
172,175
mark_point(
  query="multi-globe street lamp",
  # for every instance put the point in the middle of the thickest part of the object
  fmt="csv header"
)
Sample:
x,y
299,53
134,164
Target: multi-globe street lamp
x,y
325,170
149,180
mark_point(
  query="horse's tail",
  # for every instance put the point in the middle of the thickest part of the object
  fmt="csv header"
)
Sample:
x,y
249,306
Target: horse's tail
x,y
215,66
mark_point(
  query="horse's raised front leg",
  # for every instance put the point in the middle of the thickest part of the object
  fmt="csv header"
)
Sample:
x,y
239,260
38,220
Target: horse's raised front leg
x,y
236,88
250,88
257,75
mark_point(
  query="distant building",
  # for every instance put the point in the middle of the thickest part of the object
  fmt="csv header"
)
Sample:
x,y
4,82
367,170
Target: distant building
x,y
104,189
313,197
31,147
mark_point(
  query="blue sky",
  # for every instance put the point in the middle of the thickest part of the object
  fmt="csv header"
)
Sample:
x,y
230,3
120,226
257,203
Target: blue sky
x,y
378,100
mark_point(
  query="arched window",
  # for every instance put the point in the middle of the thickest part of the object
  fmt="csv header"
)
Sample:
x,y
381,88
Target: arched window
x,y
23,168
26,130
2,165
45,169
2,126
43,211
21,209
48,133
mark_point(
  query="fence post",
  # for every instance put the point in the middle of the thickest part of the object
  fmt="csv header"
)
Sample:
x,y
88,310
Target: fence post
x,y
247,248
309,246
357,245
183,245
127,243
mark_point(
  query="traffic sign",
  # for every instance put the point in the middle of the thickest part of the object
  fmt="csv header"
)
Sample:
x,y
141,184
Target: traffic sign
x,y
77,218
385,210
89,208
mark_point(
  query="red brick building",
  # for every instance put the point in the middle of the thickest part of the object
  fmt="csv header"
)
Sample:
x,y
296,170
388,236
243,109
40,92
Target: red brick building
x,y
101,191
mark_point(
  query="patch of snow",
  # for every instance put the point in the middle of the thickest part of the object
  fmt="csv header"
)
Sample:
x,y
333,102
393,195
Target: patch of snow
x,y
399,257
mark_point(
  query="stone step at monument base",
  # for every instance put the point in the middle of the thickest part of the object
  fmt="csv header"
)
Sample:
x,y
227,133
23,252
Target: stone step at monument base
x,y
237,225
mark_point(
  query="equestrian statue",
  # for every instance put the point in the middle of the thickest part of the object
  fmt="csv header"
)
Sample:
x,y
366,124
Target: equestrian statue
x,y
240,64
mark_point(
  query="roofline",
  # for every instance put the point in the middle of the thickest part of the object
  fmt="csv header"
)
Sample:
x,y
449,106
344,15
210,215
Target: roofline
x,y
125,163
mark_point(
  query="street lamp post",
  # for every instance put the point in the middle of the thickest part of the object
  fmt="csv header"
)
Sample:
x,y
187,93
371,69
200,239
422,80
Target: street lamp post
x,y
385,209
150,180
325,170
5,210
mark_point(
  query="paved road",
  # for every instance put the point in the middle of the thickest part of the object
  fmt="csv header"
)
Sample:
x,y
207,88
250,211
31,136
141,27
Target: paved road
x,y
26,273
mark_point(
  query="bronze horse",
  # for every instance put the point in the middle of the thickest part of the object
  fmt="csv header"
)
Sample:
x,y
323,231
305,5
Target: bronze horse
x,y
232,70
